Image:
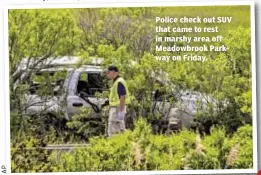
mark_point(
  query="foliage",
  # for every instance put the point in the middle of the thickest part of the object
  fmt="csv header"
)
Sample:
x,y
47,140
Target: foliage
x,y
39,34
244,152
225,77
34,37
222,136
87,124
141,150
28,156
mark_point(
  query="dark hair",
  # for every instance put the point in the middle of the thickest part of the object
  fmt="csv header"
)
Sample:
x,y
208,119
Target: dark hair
x,y
113,68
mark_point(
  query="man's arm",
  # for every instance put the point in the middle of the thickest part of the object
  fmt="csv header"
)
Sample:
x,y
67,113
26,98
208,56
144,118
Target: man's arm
x,y
122,94
122,102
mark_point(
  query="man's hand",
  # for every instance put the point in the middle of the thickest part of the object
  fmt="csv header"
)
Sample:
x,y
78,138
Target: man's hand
x,y
121,115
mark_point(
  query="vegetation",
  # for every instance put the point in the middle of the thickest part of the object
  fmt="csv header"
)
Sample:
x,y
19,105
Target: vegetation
x,y
141,150
220,137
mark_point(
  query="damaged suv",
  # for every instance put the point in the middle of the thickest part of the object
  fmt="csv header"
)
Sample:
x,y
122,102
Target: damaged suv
x,y
73,88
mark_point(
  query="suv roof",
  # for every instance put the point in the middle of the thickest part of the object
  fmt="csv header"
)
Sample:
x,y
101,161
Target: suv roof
x,y
60,62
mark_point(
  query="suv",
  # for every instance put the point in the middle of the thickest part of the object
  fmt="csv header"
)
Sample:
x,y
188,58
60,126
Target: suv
x,y
76,90
77,87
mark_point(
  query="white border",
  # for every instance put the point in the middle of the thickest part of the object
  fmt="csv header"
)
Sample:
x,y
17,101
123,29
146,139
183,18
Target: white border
x,y
7,95
103,4
254,93
91,4
2,103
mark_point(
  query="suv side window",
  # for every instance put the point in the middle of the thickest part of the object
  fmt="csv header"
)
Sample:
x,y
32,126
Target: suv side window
x,y
83,85
47,82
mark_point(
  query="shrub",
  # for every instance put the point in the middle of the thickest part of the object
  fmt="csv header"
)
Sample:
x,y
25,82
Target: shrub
x,y
141,150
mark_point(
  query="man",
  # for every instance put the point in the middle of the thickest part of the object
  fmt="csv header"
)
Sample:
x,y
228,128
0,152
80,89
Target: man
x,y
118,99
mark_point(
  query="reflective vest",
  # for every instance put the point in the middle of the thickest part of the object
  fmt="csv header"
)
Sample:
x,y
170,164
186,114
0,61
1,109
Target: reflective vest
x,y
114,99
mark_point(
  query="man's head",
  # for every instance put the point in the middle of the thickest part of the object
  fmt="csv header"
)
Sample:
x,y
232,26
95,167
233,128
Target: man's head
x,y
112,72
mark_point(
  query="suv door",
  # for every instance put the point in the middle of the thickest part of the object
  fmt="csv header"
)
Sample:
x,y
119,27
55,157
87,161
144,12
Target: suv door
x,y
80,83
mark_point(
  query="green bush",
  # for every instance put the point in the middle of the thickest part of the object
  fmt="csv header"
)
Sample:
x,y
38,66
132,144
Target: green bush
x,y
243,145
141,150
29,157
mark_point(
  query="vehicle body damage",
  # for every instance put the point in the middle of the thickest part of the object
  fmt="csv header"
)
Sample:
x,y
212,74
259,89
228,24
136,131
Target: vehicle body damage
x,y
78,87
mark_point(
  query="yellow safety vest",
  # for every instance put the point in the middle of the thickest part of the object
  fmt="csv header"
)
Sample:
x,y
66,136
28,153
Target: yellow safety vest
x,y
114,99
